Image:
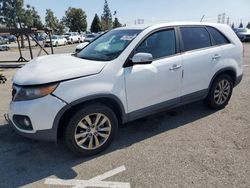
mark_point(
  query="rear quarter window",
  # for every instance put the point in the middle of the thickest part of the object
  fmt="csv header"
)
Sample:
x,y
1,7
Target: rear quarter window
x,y
195,38
217,37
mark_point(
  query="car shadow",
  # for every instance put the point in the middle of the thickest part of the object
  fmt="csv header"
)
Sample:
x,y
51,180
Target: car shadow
x,y
24,161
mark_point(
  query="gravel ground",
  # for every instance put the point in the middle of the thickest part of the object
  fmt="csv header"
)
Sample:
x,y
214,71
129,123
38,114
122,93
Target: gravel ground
x,y
190,146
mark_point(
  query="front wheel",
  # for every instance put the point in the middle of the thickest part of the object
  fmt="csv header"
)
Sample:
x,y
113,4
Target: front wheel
x,y
220,92
91,130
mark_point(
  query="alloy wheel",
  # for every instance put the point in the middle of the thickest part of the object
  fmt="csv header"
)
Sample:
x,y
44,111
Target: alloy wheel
x,y
222,92
92,131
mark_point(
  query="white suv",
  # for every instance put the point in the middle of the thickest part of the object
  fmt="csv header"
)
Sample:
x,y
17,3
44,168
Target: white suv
x,y
126,74
73,37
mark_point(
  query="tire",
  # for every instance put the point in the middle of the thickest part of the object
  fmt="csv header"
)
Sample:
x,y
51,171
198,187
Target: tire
x,y
220,92
83,139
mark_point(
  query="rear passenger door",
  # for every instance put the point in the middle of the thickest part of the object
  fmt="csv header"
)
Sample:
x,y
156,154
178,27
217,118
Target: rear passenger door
x,y
199,58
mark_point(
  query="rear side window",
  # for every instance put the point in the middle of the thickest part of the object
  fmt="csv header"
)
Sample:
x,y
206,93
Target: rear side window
x,y
195,38
160,44
217,37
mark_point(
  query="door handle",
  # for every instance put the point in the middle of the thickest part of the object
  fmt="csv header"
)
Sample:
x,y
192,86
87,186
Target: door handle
x,y
216,56
175,67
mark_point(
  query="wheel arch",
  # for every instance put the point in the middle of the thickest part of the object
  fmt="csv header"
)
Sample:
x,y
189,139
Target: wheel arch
x,y
230,71
109,100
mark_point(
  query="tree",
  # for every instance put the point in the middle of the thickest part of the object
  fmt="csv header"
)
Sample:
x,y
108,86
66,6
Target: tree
x,y
248,25
32,19
75,19
116,23
60,28
106,18
232,26
51,20
241,25
12,12
96,25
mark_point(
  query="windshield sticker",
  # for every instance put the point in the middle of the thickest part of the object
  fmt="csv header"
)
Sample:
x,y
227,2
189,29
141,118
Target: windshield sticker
x,y
128,37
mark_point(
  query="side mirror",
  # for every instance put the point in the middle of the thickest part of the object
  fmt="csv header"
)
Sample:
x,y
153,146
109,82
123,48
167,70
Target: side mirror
x,y
142,58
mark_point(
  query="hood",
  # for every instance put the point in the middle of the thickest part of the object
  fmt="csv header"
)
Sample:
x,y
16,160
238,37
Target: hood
x,y
53,68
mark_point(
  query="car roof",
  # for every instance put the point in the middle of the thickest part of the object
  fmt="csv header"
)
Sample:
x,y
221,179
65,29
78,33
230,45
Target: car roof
x,y
168,24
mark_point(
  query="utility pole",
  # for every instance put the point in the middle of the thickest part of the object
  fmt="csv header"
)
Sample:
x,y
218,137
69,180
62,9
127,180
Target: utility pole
x,y
219,18
202,18
228,20
139,21
223,18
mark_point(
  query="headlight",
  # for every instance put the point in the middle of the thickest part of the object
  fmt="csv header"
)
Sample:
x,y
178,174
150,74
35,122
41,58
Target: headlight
x,y
32,92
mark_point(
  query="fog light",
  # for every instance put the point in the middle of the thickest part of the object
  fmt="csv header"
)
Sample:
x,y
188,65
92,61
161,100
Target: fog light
x,y
26,122
22,122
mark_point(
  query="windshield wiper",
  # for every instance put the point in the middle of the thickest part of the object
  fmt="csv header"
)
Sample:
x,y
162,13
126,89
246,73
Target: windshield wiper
x,y
93,59
74,54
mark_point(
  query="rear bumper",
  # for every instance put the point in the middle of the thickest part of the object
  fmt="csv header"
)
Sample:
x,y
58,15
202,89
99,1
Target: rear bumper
x,y
238,80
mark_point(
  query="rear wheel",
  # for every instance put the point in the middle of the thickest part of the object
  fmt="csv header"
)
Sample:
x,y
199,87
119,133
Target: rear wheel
x,y
220,92
91,130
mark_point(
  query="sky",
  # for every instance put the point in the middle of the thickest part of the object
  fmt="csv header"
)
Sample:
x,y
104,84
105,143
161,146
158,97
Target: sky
x,y
152,11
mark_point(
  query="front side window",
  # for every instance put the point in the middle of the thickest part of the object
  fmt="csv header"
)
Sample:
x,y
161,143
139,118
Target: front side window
x,y
159,44
108,46
195,38
217,37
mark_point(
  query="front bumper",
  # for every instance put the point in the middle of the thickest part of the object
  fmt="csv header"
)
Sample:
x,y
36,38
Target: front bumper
x,y
42,113
45,135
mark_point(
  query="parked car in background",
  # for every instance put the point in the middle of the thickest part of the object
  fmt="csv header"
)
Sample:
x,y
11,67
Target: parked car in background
x,y
4,40
79,47
56,40
243,34
10,38
40,36
72,37
4,48
82,36
90,37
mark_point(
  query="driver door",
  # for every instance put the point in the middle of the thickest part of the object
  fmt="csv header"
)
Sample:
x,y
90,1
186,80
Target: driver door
x,y
158,84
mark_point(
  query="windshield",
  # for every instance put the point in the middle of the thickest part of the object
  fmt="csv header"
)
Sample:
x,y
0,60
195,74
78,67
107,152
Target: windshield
x,y
108,46
54,37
